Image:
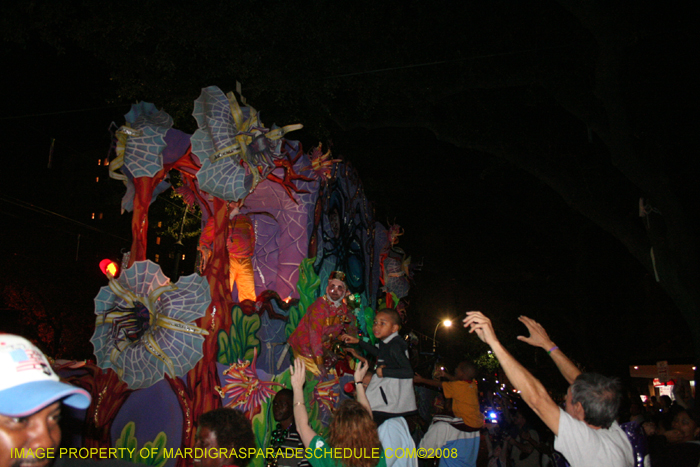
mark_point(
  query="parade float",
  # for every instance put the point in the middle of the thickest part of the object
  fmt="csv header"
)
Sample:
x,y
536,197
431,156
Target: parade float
x,y
167,352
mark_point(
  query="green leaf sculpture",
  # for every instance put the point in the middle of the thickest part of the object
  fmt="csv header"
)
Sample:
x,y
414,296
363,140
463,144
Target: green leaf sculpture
x,y
126,443
132,453
284,378
260,433
369,322
307,286
241,341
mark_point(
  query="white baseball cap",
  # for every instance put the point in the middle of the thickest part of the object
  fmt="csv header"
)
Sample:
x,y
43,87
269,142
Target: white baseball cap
x,y
27,381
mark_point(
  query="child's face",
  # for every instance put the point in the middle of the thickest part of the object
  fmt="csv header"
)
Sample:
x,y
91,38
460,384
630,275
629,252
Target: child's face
x,y
383,326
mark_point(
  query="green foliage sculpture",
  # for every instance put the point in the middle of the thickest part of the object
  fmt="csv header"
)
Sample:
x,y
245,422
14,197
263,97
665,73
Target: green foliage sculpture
x,y
132,453
240,342
307,286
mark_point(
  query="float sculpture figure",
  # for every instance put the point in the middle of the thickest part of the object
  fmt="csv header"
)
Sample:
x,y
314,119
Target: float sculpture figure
x,y
240,244
325,320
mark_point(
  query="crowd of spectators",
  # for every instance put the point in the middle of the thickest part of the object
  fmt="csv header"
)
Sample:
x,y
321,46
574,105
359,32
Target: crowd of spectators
x,y
596,424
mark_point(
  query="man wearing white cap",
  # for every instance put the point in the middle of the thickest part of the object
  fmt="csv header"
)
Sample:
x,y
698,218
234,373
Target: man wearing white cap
x,y
31,395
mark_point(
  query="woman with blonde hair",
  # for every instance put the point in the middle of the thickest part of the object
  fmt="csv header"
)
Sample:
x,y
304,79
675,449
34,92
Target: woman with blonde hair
x,y
352,439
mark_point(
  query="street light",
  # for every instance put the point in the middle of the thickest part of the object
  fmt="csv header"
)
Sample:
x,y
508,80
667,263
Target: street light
x,y
445,322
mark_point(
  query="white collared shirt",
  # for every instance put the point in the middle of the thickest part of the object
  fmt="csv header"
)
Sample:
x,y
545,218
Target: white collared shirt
x,y
390,337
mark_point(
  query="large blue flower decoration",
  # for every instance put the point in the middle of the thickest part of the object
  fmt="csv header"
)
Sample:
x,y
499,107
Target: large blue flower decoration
x,y
146,129
236,150
145,326
139,146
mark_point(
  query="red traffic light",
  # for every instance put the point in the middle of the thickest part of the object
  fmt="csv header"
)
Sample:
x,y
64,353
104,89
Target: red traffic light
x,y
109,268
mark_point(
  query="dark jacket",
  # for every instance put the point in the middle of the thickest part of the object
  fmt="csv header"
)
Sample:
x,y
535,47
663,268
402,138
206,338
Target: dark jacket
x,y
393,393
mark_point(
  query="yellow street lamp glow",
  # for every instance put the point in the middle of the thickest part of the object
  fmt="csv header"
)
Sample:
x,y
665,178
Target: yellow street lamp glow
x,y
446,323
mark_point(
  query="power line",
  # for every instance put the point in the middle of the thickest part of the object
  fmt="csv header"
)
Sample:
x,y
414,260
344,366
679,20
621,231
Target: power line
x,y
443,62
31,207
439,62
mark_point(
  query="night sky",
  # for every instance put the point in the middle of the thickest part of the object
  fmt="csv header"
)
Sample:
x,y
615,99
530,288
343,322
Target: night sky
x,y
492,235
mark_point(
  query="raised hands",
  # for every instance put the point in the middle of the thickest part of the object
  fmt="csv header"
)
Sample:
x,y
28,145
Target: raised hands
x,y
301,417
361,371
538,336
476,321
298,373
532,391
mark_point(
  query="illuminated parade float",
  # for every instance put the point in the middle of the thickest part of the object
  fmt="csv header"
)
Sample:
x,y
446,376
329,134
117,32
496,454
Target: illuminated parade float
x,y
277,223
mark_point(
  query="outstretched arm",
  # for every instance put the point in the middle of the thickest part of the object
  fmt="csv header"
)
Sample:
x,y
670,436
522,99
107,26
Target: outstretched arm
x,y
301,418
430,382
540,338
440,373
369,348
531,389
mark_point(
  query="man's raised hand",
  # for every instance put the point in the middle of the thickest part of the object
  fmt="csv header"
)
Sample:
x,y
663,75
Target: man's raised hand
x,y
476,321
538,336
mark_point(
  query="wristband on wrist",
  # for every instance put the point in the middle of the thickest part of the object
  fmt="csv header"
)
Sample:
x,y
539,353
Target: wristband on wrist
x,y
298,403
358,383
552,349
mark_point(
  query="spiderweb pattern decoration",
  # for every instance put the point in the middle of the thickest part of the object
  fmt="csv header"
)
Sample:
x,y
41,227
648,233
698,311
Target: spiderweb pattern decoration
x,y
139,146
282,242
225,178
143,155
166,341
235,149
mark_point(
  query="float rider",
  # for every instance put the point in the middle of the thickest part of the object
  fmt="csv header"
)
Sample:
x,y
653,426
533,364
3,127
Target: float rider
x,y
317,333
